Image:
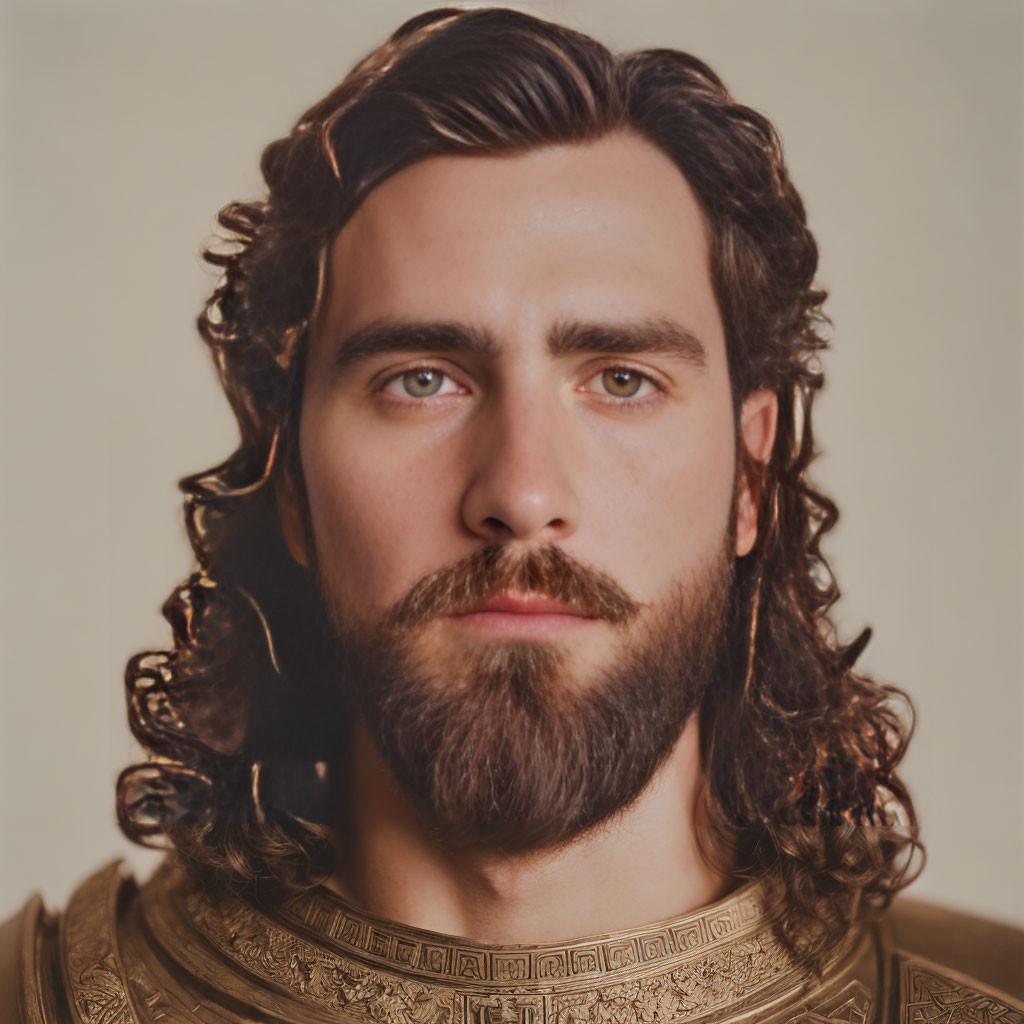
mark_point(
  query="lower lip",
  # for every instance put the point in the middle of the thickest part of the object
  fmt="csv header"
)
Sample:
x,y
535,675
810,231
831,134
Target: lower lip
x,y
521,624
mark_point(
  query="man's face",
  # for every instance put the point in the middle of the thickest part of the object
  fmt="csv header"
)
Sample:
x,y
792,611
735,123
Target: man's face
x,y
524,353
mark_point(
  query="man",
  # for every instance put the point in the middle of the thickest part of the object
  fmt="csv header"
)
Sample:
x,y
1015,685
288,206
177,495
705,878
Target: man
x,y
510,626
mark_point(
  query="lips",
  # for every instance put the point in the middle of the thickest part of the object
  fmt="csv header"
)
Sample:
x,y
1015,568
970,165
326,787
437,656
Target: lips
x,y
524,604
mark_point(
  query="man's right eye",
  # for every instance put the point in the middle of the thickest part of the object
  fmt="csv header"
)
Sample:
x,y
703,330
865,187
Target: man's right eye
x,y
421,382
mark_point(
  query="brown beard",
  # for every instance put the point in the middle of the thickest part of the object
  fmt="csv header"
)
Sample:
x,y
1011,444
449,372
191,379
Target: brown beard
x,y
508,758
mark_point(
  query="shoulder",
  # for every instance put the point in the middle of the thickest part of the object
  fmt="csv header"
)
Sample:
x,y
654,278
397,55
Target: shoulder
x,y
954,962
21,940
65,969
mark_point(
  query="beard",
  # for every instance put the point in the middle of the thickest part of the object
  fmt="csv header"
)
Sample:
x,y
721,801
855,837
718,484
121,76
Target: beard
x,y
495,746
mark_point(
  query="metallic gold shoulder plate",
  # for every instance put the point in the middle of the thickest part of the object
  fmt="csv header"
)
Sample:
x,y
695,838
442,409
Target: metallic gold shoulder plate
x,y
26,965
90,962
932,992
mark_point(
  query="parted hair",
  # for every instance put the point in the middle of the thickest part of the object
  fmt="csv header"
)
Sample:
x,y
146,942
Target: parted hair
x,y
800,750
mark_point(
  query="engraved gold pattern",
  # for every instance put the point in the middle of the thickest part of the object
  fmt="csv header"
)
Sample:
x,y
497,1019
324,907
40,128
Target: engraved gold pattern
x,y
326,919
175,956
330,956
851,1006
931,997
95,983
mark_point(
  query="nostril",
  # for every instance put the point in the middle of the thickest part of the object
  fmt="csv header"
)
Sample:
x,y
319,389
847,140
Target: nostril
x,y
498,526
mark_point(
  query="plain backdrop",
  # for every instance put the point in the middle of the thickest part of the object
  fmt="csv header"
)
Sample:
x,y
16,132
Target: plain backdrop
x,y
127,125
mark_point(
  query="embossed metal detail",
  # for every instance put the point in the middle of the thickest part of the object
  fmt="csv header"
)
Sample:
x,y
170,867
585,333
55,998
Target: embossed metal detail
x,y
328,920
175,956
852,1005
95,980
930,997
352,966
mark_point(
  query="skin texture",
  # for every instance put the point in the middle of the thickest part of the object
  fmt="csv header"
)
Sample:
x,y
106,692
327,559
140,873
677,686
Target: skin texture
x,y
630,475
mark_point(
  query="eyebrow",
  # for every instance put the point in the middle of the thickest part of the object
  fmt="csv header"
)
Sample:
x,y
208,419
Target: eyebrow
x,y
566,337
662,336
399,336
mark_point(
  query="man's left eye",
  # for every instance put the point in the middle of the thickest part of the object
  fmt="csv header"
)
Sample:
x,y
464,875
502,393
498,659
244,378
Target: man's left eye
x,y
623,382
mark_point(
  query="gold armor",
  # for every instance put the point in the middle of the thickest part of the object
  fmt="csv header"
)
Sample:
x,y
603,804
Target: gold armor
x,y
169,952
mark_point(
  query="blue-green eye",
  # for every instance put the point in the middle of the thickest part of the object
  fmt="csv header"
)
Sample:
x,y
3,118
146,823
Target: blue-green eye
x,y
421,382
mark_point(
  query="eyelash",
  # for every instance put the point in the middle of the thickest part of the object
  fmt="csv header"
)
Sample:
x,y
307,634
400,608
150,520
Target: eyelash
x,y
621,402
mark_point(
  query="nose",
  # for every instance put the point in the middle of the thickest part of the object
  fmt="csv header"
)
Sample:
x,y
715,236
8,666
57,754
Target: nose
x,y
521,487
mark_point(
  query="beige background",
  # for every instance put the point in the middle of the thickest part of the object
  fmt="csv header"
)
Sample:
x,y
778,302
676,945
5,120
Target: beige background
x,y
125,126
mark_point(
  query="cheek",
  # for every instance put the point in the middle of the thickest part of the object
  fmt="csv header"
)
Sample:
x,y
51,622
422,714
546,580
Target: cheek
x,y
669,512
374,511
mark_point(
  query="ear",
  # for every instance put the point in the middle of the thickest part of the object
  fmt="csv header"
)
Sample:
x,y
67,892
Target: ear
x,y
290,505
759,416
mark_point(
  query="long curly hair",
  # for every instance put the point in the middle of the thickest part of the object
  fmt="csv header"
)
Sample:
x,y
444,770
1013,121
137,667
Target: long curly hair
x,y
800,751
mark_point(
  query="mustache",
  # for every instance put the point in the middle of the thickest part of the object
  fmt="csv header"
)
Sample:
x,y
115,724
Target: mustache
x,y
460,586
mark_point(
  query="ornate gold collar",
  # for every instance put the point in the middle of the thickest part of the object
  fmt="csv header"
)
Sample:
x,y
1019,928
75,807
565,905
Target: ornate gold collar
x,y
316,957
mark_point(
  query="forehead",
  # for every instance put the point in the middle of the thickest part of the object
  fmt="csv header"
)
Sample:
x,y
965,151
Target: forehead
x,y
608,230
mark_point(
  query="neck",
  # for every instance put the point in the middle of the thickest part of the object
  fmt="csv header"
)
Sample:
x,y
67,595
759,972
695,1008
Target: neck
x,y
641,866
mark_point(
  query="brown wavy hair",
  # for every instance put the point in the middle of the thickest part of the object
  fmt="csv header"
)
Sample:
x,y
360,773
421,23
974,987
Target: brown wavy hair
x,y
800,750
